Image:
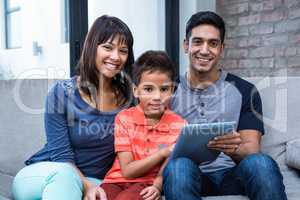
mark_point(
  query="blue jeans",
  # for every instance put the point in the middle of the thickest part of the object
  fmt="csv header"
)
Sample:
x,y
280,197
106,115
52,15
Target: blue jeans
x,y
256,176
49,181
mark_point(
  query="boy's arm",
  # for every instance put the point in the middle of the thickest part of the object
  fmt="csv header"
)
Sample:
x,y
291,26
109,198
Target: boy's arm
x,y
158,181
154,191
131,168
136,168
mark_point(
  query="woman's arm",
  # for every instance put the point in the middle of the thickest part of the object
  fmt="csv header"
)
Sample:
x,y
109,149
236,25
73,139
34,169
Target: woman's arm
x,y
57,131
86,183
56,125
90,191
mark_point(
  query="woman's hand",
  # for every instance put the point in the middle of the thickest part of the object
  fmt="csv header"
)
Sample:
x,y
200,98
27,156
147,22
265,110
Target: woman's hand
x,y
95,193
151,193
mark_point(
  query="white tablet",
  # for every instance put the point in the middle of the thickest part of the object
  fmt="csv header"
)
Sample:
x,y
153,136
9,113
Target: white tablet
x,y
193,140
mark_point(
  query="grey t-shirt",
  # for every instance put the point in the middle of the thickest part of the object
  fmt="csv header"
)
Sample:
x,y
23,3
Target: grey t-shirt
x,y
230,98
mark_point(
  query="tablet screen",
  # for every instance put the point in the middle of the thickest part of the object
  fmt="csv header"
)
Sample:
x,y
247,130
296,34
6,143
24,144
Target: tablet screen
x,y
193,139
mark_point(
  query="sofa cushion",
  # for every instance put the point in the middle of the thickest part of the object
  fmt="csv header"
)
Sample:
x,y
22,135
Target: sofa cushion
x,y
5,185
281,111
21,122
228,197
293,154
23,133
3,197
21,117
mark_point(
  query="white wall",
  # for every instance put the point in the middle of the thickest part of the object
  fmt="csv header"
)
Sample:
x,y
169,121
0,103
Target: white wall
x,y
145,18
41,22
187,9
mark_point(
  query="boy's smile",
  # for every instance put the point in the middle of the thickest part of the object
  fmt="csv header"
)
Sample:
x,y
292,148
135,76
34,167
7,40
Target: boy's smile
x,y
154,92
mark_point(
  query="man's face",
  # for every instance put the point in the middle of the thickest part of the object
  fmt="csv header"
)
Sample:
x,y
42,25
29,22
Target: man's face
x,y
204,48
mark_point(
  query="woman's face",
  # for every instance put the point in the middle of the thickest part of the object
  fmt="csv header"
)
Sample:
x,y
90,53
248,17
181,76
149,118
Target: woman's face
x,y
111,57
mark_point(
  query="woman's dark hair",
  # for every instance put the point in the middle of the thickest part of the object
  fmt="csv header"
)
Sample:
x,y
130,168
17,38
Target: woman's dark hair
x,y
152,61
205,17
103,29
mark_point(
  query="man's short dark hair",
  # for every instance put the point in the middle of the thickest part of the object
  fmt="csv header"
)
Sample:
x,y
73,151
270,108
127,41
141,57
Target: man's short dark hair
x,y
152,61
205,17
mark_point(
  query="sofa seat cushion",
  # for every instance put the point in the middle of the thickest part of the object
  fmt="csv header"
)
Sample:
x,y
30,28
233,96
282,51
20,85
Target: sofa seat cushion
x,y
291,180
228,197
5,186
3,198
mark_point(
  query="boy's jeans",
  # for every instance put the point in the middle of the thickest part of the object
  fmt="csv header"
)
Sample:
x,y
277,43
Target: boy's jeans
x,y
256,176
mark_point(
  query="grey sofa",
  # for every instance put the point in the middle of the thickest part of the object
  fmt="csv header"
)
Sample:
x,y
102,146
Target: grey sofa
x,y
22,132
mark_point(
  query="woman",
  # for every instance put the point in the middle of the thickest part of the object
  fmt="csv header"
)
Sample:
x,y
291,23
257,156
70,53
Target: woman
x,y
79,119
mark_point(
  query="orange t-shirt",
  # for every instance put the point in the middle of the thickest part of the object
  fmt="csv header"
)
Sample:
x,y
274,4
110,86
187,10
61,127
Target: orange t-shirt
x,y
132,134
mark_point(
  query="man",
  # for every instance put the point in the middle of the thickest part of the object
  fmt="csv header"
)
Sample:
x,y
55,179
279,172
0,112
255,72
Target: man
x,y
208,94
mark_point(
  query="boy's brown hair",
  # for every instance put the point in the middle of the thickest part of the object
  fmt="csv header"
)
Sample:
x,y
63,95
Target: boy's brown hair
x,y
152,61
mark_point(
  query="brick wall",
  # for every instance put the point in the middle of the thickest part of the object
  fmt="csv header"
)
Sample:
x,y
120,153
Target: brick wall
x,y
263,37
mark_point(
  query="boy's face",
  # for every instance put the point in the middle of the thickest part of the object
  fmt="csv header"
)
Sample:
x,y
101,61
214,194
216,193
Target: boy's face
x,y
154,92
204,48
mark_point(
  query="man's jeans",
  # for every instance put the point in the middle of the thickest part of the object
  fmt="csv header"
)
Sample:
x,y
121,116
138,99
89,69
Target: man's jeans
x,y
256,176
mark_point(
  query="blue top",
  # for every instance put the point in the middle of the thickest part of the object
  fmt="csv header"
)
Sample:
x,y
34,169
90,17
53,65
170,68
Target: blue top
x,y
77,132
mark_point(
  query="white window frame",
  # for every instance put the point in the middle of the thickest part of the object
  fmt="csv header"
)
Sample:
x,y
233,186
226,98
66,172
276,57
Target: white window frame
x,y
7,12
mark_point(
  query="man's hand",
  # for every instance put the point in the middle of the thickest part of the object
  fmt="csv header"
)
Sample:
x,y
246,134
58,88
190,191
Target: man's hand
x,y
150,193
95,193
227,143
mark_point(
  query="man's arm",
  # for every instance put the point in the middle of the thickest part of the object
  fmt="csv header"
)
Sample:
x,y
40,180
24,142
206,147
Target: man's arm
x,y
250,127
250,144
238,145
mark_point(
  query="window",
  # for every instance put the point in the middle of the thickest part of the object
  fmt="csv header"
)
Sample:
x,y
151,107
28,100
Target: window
x,y
35,36
13,37
65,21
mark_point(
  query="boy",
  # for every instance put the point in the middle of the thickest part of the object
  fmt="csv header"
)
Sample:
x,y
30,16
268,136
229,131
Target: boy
x,y
144,134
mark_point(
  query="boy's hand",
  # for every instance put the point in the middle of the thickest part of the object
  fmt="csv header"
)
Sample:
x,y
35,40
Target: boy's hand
x,y
150,193
167,150
171,147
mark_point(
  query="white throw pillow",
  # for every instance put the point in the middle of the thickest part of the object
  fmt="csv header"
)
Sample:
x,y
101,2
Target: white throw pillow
x,y
293,154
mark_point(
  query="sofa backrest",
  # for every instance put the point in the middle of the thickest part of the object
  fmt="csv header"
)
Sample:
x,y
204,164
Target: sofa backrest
x,y
22,129
280,98
21,121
